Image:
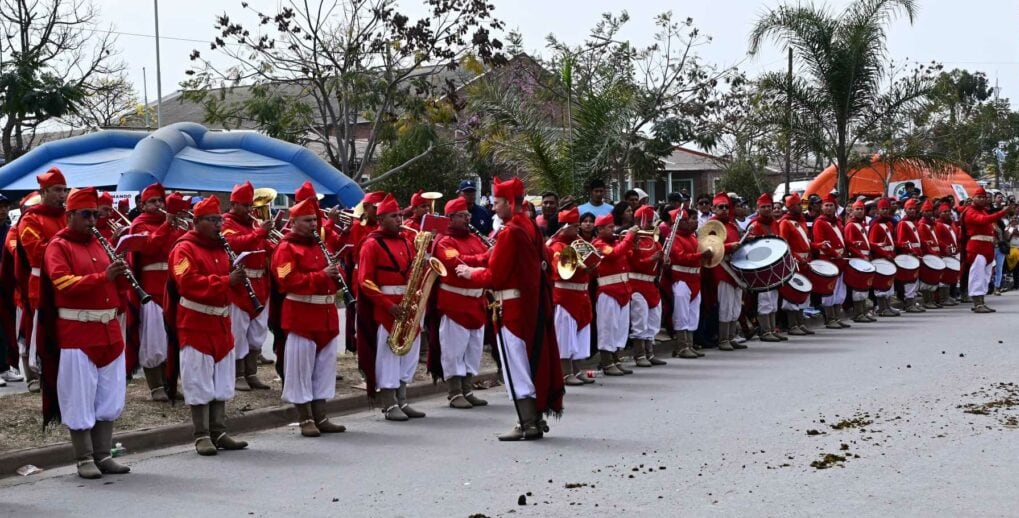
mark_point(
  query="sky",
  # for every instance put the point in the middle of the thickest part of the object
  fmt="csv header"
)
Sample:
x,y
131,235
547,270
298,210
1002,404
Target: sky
x,y
978,35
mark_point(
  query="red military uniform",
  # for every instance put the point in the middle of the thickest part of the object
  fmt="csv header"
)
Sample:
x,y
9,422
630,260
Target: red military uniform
x,y
948,238
381,273
828,240
644,269
299,265
245,235
35,229
732,238
576,302
685,261
613,271
201,271
928,240
464,304
760,228
979,225
907,238
151,263
882,238
857,241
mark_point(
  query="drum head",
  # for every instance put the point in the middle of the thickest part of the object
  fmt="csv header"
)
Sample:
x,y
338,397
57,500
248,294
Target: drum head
x,y
862,265
800,283
759,253
952,264
933,262
907,262
824,268
884,267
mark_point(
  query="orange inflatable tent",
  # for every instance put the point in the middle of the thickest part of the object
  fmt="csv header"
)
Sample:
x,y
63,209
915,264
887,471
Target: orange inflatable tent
x,y
874,179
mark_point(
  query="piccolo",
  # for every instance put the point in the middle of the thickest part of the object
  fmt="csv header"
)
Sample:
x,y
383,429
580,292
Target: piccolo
x,y
142,296
257,304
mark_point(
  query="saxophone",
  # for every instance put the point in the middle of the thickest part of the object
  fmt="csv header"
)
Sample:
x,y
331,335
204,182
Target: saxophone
x,y
423,272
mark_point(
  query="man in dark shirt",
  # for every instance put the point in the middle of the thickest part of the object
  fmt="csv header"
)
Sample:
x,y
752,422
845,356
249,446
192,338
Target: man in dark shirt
x,y
481,218
548,220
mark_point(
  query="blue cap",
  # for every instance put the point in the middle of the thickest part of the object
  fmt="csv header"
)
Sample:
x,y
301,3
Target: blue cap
x,y
467,185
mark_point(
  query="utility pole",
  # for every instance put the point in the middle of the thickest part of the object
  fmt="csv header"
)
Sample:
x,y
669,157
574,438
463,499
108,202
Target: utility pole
x,y
789,123
159,76
145,92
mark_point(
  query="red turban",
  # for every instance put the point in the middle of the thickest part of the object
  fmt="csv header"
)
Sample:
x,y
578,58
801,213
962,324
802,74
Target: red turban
x,y
82,199
244,193
793,199
644,213
883,203
175,203
153,191
720,199
307,207
859,204
207,207
830,198
105,200
910,204
928,206
458,204
765,199
944,207
602,221
305,191
51,178
123,205
980,191
571,216
416,199
388,205
374,197
681,212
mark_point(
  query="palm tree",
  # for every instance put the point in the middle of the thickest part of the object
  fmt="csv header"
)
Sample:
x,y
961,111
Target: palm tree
x,y
843,70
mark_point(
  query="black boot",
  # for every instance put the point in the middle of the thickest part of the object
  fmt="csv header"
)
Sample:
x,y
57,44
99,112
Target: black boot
x,y
157,388
102,445
200,421
527,429
401,399
217,428
251,371
81,440
322,422
468,390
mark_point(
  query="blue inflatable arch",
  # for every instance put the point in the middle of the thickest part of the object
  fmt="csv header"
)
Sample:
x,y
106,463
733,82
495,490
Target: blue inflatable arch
x,y
95,159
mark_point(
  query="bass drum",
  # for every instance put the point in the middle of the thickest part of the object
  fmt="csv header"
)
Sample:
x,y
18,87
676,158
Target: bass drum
x,y
884,274
908,268
823,275
931,267
953,271
860,274
763,263
797,289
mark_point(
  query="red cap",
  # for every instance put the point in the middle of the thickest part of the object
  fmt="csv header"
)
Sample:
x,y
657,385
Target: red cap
x,y
307,207
830,198
569,216
944,207
859,204
644,214
123,205
928,206
683,214
105,200
244,193
207,207
765,199
82,199
175,203
153,191
980,191
910,204
374,197
416,199
387,205
458,204
721,198
884,203
305,191
603,221
793,199
509,190
51,178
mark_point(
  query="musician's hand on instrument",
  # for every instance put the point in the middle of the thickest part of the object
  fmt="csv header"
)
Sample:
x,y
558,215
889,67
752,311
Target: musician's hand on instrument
x,y
115,269
657,256
267,225
632,230
706,253
464,272
237,276
397,311
333,271
334,214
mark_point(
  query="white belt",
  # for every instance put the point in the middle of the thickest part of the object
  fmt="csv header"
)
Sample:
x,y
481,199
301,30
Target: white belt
x,y
466,292
392,290
156,267
613,279
642,277
686,269
989,239
87,315
253,273
312,299
574,286
888,248
504,295
216,311
37,272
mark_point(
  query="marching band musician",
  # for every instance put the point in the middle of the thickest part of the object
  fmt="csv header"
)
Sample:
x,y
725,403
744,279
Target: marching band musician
x,y
461,307
383,271
948,237
613,296
35,229
979,223
928,246
203,276
249,328
309,317
858,246
572,303
730,296
907,241
645,300
793,228
685,262
84,356
830,245
419,206
522,287
767,301
151,267
103,219
882,246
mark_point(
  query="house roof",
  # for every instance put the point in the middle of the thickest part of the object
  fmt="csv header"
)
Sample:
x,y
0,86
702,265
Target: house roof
x,y
686,159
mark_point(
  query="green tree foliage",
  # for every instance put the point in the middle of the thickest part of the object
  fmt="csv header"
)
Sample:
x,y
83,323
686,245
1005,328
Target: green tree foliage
x,y
440,170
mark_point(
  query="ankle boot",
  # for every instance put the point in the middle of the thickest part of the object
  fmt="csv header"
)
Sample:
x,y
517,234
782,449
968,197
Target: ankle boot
x,y
724,344
241,383
829,318
686,350
200,421
81,440
582,374
640,353
322,422
102,445
527,428
649,350
401,399
793,316
688,338
767,328
910,306
885,308
608,364
946,296
251,371
569,377
306,421
928,300
390,406
618,357
979,306
455,394
468,390
217,428
154,379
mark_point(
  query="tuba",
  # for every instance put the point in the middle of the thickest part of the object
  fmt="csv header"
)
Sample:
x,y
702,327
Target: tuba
x,y
423,272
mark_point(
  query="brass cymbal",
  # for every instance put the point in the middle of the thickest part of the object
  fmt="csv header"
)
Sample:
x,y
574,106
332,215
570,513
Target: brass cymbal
x,y
717,246
712,228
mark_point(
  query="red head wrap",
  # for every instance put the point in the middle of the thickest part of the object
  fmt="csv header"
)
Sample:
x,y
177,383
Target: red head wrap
x,y
765,199
244,193
793,199
883,203
571,216
602,221
374,197
720,199
51,178
207,207
944,207
387,205
105,200
175,203
305,191
910,204
153,191
307,207
458,204
928,206
509,190
82,199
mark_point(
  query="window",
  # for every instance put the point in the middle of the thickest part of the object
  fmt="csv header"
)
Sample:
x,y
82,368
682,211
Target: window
x,y
677,184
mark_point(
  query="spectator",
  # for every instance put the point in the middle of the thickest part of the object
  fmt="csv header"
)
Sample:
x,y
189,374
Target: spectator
x,y
622,215
703,209
548,220
596,203
587,226
481,218
1012,261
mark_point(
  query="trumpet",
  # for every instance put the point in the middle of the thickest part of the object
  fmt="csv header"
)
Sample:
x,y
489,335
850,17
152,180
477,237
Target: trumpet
x,y
183,220
142,296
346,216
118,224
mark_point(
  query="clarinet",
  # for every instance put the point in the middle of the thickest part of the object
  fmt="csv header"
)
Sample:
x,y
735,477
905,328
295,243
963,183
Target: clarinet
x,y
247,282
484,239
142,296
348,297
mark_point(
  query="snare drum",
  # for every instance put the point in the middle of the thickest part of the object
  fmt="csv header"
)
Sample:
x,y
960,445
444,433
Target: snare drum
x,y
884,274
763,263
931,268
823,275
797,289
953,271
860,274
907,268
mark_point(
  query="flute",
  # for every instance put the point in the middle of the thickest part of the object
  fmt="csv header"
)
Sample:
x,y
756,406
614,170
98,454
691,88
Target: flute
x,y
247,282
142,296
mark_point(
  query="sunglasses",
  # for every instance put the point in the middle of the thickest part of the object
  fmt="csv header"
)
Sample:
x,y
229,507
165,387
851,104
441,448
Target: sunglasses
x,y
722,207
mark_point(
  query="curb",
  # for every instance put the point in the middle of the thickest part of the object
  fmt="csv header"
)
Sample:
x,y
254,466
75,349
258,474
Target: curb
x,y
147,439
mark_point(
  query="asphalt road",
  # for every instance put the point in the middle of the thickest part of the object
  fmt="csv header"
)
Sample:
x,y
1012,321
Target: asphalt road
x,y
730,434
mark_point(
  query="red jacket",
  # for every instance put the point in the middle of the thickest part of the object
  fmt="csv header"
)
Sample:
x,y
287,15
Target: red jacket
x,y
882,238
857,240
455,248
644,270
948,238
759,228
379,270
201,271
685,261
928,240
298,270
907,238
151,264
979,225
35,230
828,241
615,267
576,302
76,265
794,231
732,238
244,235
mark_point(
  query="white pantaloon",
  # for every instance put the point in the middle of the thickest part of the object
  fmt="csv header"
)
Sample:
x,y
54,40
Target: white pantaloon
x,y
88,393
308,373
574,344
517,365
979,276
860,295
249,333
789,306
884,294
767,302
730,302
390,369
33,350
461,348
838,297
204,379
645,322
613,323
910,290
686,313
152,336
